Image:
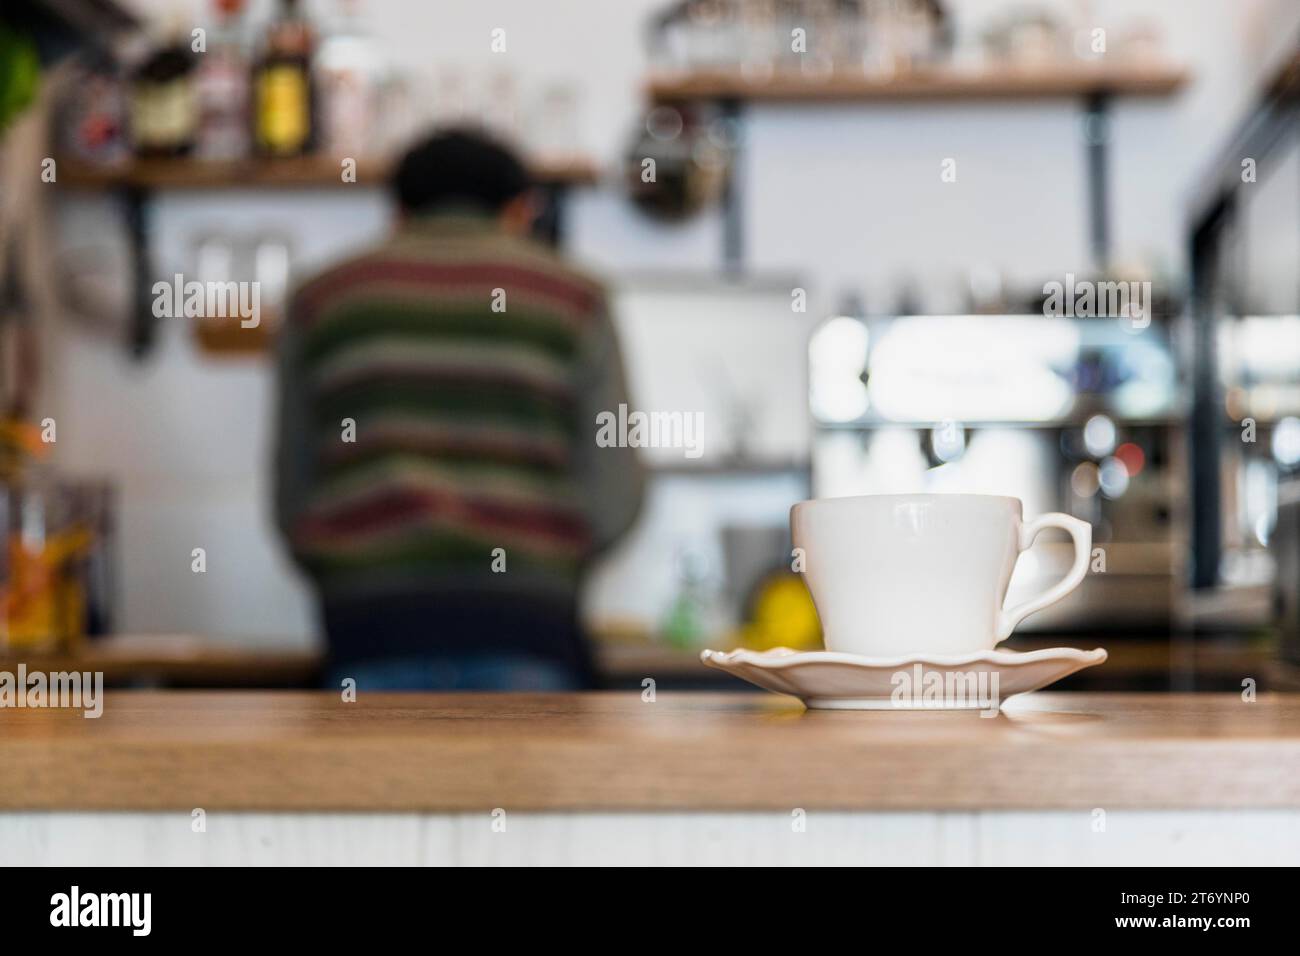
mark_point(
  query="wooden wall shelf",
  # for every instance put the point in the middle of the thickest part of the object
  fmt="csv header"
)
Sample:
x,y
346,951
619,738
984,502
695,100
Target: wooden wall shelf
x,y
138,181
177,660
1095,85
307,172
945,83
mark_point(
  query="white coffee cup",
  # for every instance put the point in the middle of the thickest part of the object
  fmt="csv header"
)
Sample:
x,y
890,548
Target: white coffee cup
x,y
907,575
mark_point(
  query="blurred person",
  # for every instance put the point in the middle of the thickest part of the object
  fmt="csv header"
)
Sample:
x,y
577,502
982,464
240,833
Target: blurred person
x,y
437,473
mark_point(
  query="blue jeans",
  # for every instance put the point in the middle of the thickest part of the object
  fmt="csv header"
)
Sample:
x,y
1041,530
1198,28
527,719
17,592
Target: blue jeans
x,y
461,672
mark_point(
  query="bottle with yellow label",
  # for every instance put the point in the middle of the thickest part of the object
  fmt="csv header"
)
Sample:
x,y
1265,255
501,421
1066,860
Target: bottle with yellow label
x,y
283,99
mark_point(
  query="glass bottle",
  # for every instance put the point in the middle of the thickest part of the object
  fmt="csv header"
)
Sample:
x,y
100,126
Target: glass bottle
x,y
283,99
223,88
350,71
164,106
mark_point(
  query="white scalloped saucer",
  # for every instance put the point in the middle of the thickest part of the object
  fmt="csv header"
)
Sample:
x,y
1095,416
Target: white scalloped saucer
x,y
833,681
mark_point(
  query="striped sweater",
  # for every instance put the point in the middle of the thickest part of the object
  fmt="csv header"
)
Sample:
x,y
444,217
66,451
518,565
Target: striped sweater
x,y
438,399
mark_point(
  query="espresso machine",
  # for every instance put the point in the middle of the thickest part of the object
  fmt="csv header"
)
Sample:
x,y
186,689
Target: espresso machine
x,y
1079,415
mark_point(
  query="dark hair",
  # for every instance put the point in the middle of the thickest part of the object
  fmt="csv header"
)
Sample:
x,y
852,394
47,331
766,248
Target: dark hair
x,y
458,167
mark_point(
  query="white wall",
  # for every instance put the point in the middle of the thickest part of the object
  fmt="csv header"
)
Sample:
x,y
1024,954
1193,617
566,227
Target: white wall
x,y
186,438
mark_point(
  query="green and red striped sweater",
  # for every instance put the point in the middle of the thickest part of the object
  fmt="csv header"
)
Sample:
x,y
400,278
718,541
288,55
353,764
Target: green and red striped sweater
x,y
438,402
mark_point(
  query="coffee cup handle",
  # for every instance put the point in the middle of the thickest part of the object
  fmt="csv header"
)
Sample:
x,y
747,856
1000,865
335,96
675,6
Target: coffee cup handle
x,y
1081,532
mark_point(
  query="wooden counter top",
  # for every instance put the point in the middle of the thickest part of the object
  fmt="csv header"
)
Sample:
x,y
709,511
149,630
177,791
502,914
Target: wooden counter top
x,y
255,750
